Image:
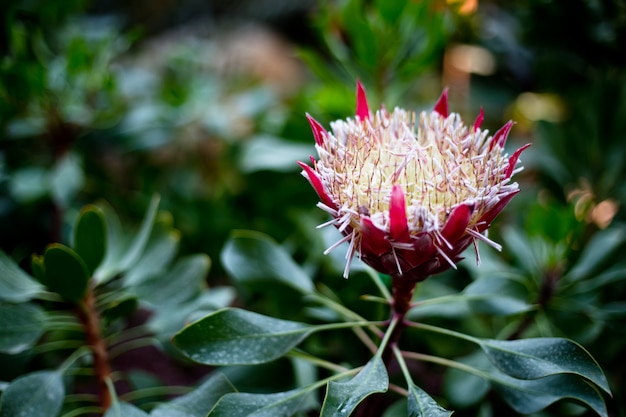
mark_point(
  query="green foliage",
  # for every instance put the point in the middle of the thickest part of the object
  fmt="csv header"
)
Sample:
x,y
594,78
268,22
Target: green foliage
x,y
342,397
169,129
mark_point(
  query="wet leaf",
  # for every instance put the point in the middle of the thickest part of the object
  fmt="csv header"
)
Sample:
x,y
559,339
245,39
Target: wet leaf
x,y
530,396
198,402
540,357
38,394
420,404
235,337
343,397
282,404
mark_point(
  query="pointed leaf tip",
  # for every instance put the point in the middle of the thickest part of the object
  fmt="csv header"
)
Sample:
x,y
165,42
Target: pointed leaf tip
x,y
457,222
513,160
398,223
501,135
318,129
317,184
362,108
479,119
441,106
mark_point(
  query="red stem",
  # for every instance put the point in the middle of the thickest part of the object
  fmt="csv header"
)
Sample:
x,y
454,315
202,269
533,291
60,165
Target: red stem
x,y
90,319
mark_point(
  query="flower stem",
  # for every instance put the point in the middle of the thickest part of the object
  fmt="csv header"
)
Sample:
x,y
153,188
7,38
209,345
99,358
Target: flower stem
x,y
402,294
90,320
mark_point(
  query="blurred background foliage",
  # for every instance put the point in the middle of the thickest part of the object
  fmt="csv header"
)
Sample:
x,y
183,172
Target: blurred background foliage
x,y
203,103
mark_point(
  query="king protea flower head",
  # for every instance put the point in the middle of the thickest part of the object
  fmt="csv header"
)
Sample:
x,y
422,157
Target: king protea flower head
x,y
409,194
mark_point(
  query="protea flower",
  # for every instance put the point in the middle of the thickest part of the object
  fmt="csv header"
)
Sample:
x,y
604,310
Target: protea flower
x,y
408,194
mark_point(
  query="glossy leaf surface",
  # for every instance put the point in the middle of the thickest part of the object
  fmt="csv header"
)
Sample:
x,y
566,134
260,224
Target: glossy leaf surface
x,y
282,404
530,396
198,402
235,337
420,404
540,357
343,397
66,273
90,237
15,284
125,410
21,325
38,394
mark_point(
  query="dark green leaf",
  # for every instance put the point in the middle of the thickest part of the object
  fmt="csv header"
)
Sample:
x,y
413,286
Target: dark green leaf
x,y
116,245
282,404
463,389
420,404
138,244
255,257
166,322
125,410
38,268
602,245
38,394
496,295
198,402
539,357
390,10
343,397
90,236
160,251
236,337
530,396
21,325
15,284
66,273
123,252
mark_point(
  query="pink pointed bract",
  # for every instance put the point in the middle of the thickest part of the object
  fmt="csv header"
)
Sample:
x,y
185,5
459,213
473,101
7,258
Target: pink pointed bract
x,y
411,193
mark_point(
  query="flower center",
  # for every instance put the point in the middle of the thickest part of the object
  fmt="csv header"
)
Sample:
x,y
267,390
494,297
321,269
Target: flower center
x,y
438,167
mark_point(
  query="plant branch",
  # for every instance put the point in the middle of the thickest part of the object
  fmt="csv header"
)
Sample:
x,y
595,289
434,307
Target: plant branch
x,y
90,320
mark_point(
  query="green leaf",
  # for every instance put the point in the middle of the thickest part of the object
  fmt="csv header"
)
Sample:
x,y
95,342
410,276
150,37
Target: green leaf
x,y
21,325
282,404
540,357
198,402
66,273
237,337
602,245
251,257
420,404
38,394
90,236
390,10
464,389
159,252
530,396
185,280
166,322
497,296
123,252
118,409
343,397
116,245
16,285
136,248
264,152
